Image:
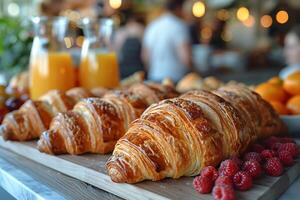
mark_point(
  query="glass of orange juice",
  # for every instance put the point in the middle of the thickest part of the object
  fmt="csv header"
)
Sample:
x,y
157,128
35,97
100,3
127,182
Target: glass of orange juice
x,y
99,64
51,65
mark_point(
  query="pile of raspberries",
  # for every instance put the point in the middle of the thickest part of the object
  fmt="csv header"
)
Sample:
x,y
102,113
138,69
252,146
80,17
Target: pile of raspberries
x,y
269,156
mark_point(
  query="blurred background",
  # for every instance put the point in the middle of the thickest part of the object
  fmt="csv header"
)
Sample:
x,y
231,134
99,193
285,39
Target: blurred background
x,y
227,37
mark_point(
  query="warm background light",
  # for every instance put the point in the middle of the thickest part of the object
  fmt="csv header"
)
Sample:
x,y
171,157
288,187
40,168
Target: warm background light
x,y
249,22
282,17
242,14
266,21
206,33
223,15
198,9
115,4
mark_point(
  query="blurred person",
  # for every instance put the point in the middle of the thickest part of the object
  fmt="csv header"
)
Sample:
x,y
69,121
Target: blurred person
x,y
291,52
128,44
166,45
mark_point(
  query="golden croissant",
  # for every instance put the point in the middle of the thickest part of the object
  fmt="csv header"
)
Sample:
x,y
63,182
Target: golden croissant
x,y
34,117
95,124
180,136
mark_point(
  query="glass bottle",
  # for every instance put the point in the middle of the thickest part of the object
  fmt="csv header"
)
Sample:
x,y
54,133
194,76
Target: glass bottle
x,y
99,64
51,65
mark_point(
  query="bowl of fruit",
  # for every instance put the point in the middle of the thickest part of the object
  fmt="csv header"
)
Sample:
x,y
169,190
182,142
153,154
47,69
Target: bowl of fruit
x,y
284,96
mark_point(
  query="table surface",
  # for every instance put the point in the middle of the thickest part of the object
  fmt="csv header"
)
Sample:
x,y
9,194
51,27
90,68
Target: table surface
x,y
25,179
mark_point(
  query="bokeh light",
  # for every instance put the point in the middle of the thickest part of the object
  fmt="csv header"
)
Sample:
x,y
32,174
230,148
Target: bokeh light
x,y
206,33
250,21
242,14
223,15
198,9
13,9
68,42
282,16
115,4
266,21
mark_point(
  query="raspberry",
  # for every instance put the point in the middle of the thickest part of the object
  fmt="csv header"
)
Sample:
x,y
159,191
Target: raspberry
x,y
242,181
253,168
273,167
287,140
224,180
202,184
291,147
286,157
271,140
210,172
267,153
276,146
257,148
252,156
228,168
221,192
238,161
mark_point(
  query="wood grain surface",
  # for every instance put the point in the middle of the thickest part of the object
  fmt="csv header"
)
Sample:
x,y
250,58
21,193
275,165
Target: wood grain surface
x,y
91,169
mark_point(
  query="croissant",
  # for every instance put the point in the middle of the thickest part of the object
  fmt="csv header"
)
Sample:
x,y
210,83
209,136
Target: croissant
x,y
34,117
95,124
180,136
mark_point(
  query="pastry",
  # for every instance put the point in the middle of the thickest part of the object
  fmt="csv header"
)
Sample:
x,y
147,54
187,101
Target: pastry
x,y
95,124
34,117
178,137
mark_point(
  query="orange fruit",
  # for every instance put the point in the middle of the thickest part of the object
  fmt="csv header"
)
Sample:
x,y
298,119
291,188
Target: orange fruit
x,y
293,105
275,80
271,92
279,107
292,83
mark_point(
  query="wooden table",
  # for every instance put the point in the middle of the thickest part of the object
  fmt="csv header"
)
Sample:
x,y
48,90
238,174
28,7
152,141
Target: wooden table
x,y
25,179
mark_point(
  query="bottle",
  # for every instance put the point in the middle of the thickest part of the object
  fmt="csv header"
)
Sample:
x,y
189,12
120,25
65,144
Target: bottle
x,y
99,64
51,65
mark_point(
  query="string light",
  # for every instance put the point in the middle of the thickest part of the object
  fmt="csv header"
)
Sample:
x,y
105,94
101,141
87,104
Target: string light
x,y
115,4
266,21
198,9
242,14
282,16
250,21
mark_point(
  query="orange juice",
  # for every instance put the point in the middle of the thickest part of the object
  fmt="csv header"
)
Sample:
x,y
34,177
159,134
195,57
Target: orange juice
x,y
48,71
99,70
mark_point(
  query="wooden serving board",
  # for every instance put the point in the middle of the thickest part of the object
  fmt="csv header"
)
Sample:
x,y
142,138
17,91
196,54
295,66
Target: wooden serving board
x,y
90,168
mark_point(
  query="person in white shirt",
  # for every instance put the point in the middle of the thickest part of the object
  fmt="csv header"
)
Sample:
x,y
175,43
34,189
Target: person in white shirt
x,y
166,44
291,52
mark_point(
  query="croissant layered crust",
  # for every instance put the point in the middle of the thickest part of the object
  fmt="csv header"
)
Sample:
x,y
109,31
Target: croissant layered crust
x,y
96,124
34,117
178,137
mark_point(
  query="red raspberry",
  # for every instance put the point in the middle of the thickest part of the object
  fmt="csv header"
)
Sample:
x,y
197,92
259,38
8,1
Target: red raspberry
x,y
286,157
242,181
267,153
224,180
257,148
202,184
287,140
221,192
228,168
276,146
238,161
252,156
210,172
253,168
291,147
273,167
271,140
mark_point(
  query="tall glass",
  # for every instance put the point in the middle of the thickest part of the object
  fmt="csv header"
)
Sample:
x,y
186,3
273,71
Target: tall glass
x,y
99,64
51,65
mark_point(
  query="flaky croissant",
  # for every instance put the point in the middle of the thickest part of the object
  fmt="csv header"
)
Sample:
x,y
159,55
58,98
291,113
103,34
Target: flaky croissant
x,y
180,136
34,117
95,124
